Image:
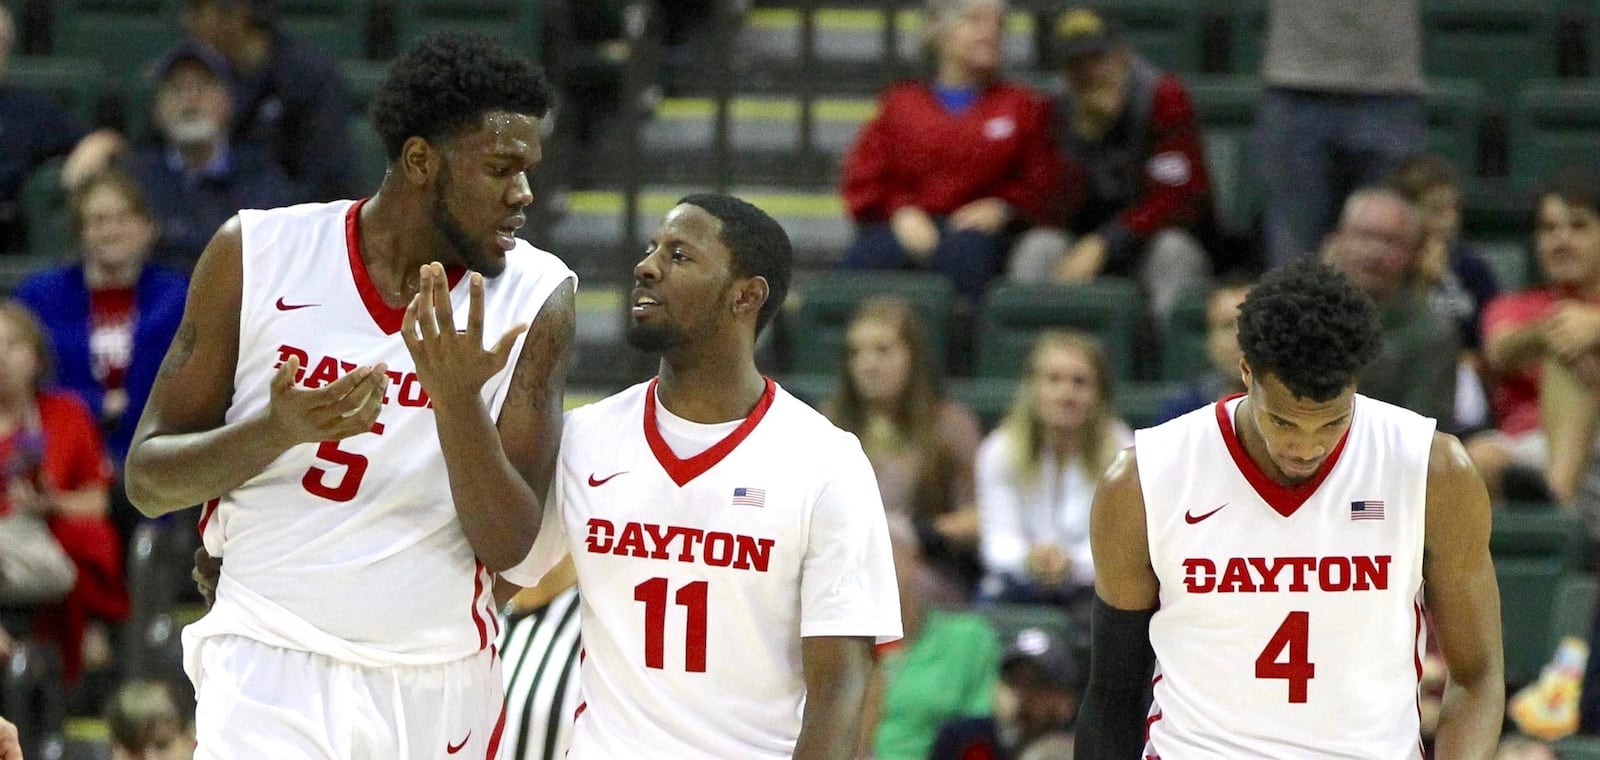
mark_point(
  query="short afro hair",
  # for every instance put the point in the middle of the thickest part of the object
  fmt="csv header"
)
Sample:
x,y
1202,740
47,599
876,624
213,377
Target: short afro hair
x,y
446,82
758,243
1309,327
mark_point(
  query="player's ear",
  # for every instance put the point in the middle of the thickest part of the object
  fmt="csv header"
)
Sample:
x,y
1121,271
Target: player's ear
x,y
418,160
751,294
1245,374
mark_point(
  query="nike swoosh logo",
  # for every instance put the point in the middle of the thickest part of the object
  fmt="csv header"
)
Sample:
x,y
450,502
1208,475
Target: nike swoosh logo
x,y
1192,518
594,482
291,307
451,749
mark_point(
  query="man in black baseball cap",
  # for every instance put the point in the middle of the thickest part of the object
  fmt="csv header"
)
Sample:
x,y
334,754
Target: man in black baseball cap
x,y
1035,702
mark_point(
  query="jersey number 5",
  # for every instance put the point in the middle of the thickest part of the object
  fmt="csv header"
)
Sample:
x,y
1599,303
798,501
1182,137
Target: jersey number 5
x,y
355,467
1289,644
692,597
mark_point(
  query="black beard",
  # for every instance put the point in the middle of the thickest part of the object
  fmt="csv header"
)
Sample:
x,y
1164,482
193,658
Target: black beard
x,y
654,340
451,231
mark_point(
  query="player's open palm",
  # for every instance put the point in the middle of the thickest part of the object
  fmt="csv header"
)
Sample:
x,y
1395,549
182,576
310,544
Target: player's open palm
x,y
452,364
343,408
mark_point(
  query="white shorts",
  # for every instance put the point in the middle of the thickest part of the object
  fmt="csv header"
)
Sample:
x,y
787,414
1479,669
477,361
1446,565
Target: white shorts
x,y
261,701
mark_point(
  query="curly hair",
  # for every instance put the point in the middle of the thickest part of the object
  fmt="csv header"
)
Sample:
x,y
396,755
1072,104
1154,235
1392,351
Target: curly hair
x,y
758,243
1306,325
446,82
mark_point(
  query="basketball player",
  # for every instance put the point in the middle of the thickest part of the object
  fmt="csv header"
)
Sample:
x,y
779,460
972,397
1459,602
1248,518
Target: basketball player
x,y
1272,550
731,548
365,461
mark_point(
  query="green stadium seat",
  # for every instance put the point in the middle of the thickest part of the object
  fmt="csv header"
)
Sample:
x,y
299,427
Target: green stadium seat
x,y
1534,548
1247,32
1511,262
1013,314
126,36
820,308
371,161
1183,347
516,24
78,82
1454,111
363,79
1497,43
988,397
43,204
814,389
1139,402
1553,126
336,27
1578,748
1226,106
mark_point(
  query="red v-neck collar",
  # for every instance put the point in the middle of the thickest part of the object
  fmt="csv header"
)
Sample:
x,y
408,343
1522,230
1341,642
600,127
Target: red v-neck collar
x,y
388,318
1285,500
684,470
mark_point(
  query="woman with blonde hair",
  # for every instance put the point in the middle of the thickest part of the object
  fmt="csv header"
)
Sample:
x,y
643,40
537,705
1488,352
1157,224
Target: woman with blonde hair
x,y
1036,473
920,443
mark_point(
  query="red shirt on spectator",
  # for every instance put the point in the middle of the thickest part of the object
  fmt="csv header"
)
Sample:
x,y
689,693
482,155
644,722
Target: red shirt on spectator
x,y
915,152
1514,399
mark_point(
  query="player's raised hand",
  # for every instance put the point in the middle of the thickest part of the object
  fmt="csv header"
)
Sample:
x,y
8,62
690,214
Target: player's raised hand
x,y
452,364
343,408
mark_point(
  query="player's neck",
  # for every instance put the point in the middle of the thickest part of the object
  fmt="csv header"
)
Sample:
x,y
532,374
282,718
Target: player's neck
x,y
1255,446
710,392
389,249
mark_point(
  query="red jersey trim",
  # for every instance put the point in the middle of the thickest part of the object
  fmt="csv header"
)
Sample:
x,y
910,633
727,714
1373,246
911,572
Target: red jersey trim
x,y
206,513
684,470
387,318
1284,500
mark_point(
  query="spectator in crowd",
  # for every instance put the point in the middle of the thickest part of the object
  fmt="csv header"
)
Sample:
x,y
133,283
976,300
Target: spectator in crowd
x,y
1377,245
541,651
195,176
146,722
53,464
1139,198
287,95
1037,471
111,314
939,175
589,72
920,443
1035,703
1222,348
1541,335
1458,281
1342,108
945,667
39,128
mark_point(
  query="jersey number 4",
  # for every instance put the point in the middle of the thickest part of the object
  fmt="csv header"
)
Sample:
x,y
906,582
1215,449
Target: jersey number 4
x,y
692,597
355,467
1285,656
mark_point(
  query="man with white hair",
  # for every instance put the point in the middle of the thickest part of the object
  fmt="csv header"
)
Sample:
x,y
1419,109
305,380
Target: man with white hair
x,y
1377,245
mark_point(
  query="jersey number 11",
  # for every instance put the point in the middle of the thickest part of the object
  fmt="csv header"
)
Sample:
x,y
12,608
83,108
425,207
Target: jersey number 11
x,y
692,597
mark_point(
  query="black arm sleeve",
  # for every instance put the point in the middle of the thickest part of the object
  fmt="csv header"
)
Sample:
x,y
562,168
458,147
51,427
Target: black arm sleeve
x,y
1111,723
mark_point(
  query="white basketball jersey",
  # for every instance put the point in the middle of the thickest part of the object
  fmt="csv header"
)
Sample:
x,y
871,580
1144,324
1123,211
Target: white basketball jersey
x,y
699,576
1290,622
352,548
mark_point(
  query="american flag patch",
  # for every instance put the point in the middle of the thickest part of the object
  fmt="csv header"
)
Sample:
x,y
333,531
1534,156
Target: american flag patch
x,y
1371,509
749,497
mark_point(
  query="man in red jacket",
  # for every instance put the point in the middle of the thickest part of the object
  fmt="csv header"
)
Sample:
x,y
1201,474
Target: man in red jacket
x,y
1140,201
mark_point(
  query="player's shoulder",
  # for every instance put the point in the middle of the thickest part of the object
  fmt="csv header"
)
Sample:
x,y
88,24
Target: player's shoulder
x,y
530,259
801,424
601,417
299,213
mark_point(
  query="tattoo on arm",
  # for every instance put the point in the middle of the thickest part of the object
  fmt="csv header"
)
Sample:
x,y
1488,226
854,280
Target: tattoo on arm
x,y
541,345
182,348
